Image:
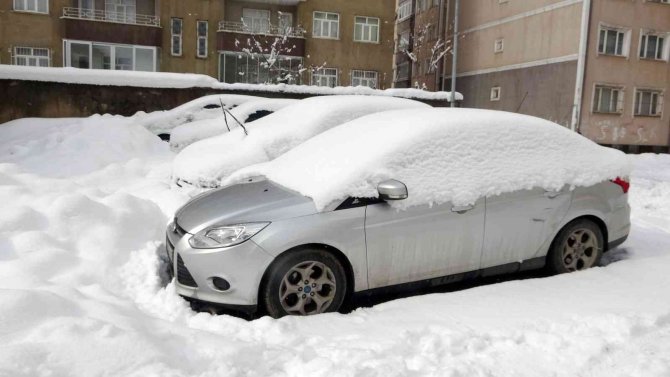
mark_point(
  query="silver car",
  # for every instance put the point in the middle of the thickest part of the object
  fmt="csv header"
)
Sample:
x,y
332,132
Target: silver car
x,y
261,245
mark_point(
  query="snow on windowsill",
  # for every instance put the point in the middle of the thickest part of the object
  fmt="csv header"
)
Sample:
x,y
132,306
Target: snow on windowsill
x,y
188,80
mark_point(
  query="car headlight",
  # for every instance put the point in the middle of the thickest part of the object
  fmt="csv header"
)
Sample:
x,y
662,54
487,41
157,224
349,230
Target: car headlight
x,y
225,236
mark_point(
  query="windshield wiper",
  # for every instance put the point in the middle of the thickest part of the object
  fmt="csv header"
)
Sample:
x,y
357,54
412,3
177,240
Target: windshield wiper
x,y
227,112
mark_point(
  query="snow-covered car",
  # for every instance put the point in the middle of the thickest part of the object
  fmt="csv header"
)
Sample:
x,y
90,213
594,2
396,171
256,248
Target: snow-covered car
x,y
423,196
205,163
187,134
162,123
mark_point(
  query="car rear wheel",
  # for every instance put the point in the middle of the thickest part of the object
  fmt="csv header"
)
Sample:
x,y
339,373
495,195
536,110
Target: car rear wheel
x,y
305,282
578,246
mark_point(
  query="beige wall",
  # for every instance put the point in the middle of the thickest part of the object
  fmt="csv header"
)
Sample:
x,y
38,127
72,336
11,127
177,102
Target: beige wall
x,y
629,72
191,11
344,53
480,12
31,30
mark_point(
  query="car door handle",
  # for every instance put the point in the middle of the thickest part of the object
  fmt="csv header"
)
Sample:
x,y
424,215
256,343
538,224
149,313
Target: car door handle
x,y
462,209
552,194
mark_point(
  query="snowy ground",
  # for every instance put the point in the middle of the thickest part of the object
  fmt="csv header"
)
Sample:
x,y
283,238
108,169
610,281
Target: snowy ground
x,y
84,206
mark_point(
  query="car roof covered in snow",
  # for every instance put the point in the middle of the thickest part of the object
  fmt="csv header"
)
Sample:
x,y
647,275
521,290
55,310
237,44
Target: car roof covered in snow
x,y
208,161
442,155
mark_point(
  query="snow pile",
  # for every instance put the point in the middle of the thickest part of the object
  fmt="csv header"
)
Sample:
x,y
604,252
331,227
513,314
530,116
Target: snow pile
x,y
207,107
442,155
187,80
206,162
187,134
82,293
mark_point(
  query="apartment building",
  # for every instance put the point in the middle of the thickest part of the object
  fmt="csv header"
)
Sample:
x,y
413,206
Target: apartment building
x,y
317,42
600,67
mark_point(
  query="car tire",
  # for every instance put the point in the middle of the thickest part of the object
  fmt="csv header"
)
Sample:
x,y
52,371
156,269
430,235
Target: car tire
x,y
578,246
304,282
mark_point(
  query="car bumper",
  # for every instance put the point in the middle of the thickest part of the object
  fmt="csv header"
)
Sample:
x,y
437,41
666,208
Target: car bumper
x,y
242,266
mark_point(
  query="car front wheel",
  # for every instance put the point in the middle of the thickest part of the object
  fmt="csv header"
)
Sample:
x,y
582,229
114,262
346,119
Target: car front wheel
x,y
578,246
305,282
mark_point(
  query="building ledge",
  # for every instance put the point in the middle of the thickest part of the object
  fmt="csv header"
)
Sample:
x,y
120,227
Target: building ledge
x,y
241,27
110,17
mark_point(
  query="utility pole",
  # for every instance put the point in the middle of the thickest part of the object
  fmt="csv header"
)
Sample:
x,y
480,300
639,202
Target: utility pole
x,y
454,56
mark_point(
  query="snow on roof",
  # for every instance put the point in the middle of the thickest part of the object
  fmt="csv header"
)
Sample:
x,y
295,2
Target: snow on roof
x,y
187,80
442,155
186,134
207,161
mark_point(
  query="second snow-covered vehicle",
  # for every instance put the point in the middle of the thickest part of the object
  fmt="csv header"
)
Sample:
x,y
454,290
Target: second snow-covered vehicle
x,y
413,196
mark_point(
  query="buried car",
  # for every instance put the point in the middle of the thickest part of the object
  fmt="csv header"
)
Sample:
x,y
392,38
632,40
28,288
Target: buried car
x,y
411,196
205,163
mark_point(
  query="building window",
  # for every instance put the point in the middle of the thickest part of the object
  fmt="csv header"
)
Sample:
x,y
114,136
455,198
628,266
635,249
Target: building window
x,y
648,102
37,6
402,71
202,30
285,22
613,41
653,46
364,78
404,10
403,41
94,55
366,29
325,77
499,45
176,25
123,11
30,56
326,25
608,100
237,67
256,20
422,5
495,93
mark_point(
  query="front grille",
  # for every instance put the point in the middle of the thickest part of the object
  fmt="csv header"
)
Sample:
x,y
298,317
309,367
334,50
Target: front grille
x,y
183,276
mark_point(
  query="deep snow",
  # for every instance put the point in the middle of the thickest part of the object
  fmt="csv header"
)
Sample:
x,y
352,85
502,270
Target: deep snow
x,y
80,237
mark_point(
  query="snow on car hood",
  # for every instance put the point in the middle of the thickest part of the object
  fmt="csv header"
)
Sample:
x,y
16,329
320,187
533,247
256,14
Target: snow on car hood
x,y
442,155
208,161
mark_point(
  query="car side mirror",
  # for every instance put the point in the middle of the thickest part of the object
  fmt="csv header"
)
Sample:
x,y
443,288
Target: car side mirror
x,y
392,190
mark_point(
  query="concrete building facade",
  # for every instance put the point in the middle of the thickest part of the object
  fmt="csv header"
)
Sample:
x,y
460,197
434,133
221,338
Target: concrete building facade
x,y
600,67
318,42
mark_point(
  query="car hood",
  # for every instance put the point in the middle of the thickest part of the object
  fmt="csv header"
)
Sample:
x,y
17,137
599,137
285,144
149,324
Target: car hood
x,y
249,202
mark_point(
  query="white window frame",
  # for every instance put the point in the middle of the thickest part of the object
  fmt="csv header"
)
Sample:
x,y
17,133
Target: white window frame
x,y
256,20
496,93
323,22
637,102
644,41
198,38
286,23
365,78
19,52
404,36
367,28
31,6
624,43
67,56
124,11
325,73
617,106
179,36
499,45
404,10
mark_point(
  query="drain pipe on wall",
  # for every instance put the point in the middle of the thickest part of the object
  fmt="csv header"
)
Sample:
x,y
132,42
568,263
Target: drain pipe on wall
x,y
581,65
454,56
440,32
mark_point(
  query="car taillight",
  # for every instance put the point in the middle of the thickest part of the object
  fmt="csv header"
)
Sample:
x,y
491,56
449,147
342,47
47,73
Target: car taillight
x,y
624,184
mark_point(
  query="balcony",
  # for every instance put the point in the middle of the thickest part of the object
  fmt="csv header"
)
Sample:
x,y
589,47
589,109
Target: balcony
x,y
232,36
102,26
241,27
115,17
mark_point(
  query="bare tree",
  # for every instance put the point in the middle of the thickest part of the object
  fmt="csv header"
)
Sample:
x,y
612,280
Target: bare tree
x,y
425,44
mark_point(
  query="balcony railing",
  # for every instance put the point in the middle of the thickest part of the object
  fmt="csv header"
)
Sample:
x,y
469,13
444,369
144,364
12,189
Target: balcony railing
x,y
116,17
241,27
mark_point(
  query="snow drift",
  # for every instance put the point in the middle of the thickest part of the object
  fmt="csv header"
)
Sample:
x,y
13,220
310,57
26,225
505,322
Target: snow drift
x,y
206,162
442,155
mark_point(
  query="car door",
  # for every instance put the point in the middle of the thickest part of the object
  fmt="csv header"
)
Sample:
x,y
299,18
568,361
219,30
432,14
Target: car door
x,y
422,242
518,223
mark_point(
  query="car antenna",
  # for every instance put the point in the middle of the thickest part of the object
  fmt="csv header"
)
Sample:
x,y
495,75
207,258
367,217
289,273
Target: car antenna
x,y
226,111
